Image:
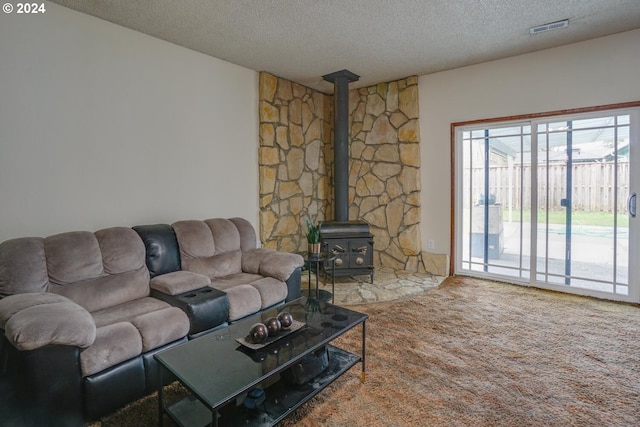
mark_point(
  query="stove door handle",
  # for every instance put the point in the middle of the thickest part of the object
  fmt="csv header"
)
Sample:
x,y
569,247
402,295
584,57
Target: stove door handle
x,y
361,250
337,249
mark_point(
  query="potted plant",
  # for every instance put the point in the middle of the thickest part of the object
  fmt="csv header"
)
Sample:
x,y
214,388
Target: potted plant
x,y
313,234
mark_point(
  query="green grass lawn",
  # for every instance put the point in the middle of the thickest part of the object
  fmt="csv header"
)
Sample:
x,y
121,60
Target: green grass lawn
x,y
580,217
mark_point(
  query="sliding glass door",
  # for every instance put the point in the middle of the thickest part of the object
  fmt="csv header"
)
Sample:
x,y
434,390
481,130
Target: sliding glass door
x,y
495,235
550,202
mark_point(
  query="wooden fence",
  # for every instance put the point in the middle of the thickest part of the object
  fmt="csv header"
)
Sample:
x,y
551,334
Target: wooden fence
x,y
594,186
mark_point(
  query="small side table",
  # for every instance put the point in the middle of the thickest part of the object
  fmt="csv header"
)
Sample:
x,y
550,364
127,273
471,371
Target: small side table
x,y
315,262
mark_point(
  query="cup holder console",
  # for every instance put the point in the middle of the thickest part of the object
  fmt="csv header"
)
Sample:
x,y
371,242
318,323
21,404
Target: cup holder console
x,y
207,308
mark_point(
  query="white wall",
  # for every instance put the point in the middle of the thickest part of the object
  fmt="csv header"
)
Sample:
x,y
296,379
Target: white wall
x,y
104,126
597,72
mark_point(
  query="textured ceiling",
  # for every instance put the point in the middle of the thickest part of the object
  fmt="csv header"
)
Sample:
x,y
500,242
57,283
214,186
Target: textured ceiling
x,y
380,40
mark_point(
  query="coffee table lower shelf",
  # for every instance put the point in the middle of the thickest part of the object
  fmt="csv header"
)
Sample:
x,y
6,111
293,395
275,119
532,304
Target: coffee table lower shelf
x,y
281,399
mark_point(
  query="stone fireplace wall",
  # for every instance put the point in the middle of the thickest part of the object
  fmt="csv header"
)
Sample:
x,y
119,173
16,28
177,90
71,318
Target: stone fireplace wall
x,y
296,165
295,137
384,181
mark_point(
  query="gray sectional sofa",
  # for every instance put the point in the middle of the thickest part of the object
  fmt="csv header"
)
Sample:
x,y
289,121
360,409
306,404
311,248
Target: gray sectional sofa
x,y
83,313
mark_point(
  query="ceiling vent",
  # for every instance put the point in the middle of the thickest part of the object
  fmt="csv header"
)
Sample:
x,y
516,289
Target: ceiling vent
x,y
549,27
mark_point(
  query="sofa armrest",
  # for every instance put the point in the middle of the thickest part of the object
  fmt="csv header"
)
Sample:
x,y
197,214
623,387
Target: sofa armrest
x,y
271,263
179,282
35,320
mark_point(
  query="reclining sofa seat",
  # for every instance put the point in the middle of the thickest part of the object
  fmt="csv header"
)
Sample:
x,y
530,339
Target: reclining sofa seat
x,y
225,251
80,323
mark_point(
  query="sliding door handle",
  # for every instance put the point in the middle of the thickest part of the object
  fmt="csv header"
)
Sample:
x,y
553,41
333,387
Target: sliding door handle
x,y
631,205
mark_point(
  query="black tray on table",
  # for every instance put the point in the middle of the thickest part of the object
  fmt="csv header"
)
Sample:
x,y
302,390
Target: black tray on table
x,y
295,326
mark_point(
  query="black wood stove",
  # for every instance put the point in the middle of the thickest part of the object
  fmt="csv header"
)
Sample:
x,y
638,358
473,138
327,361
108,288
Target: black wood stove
x,y
352,244
350,241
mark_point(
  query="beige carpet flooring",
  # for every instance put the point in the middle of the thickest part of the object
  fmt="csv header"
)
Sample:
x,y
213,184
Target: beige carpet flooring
x,y
478,353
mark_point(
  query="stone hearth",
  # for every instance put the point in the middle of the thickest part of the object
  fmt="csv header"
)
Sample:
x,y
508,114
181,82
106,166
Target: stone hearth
x,y
389,285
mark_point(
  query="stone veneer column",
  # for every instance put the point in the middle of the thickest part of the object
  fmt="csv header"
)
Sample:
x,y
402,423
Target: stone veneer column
x,y
385,170
296,165
295,136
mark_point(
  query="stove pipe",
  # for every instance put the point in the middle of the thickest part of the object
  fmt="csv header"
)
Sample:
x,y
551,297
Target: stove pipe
x,y
341,80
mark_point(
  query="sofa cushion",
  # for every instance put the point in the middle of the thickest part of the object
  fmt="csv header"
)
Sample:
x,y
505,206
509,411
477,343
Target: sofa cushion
x,y
122,250
234,280
226,237
72,257
97,270
252,259
210,247
126,311
243,301
179,282
215,266
156,321
114,344
161,327
23,266
107,291
272,291
248,239
264,292
194,240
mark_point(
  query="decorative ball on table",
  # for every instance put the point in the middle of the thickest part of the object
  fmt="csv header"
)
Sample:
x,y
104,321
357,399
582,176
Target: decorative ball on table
x,y
286,320
258,333
273,326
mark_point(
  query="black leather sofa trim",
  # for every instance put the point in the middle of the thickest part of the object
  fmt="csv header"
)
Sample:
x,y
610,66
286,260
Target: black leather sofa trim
x,y
57,404
293,285
163,254
113,388
151,368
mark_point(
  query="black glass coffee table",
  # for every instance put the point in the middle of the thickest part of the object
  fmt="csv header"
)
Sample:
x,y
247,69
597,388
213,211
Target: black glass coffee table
x,y
219,372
